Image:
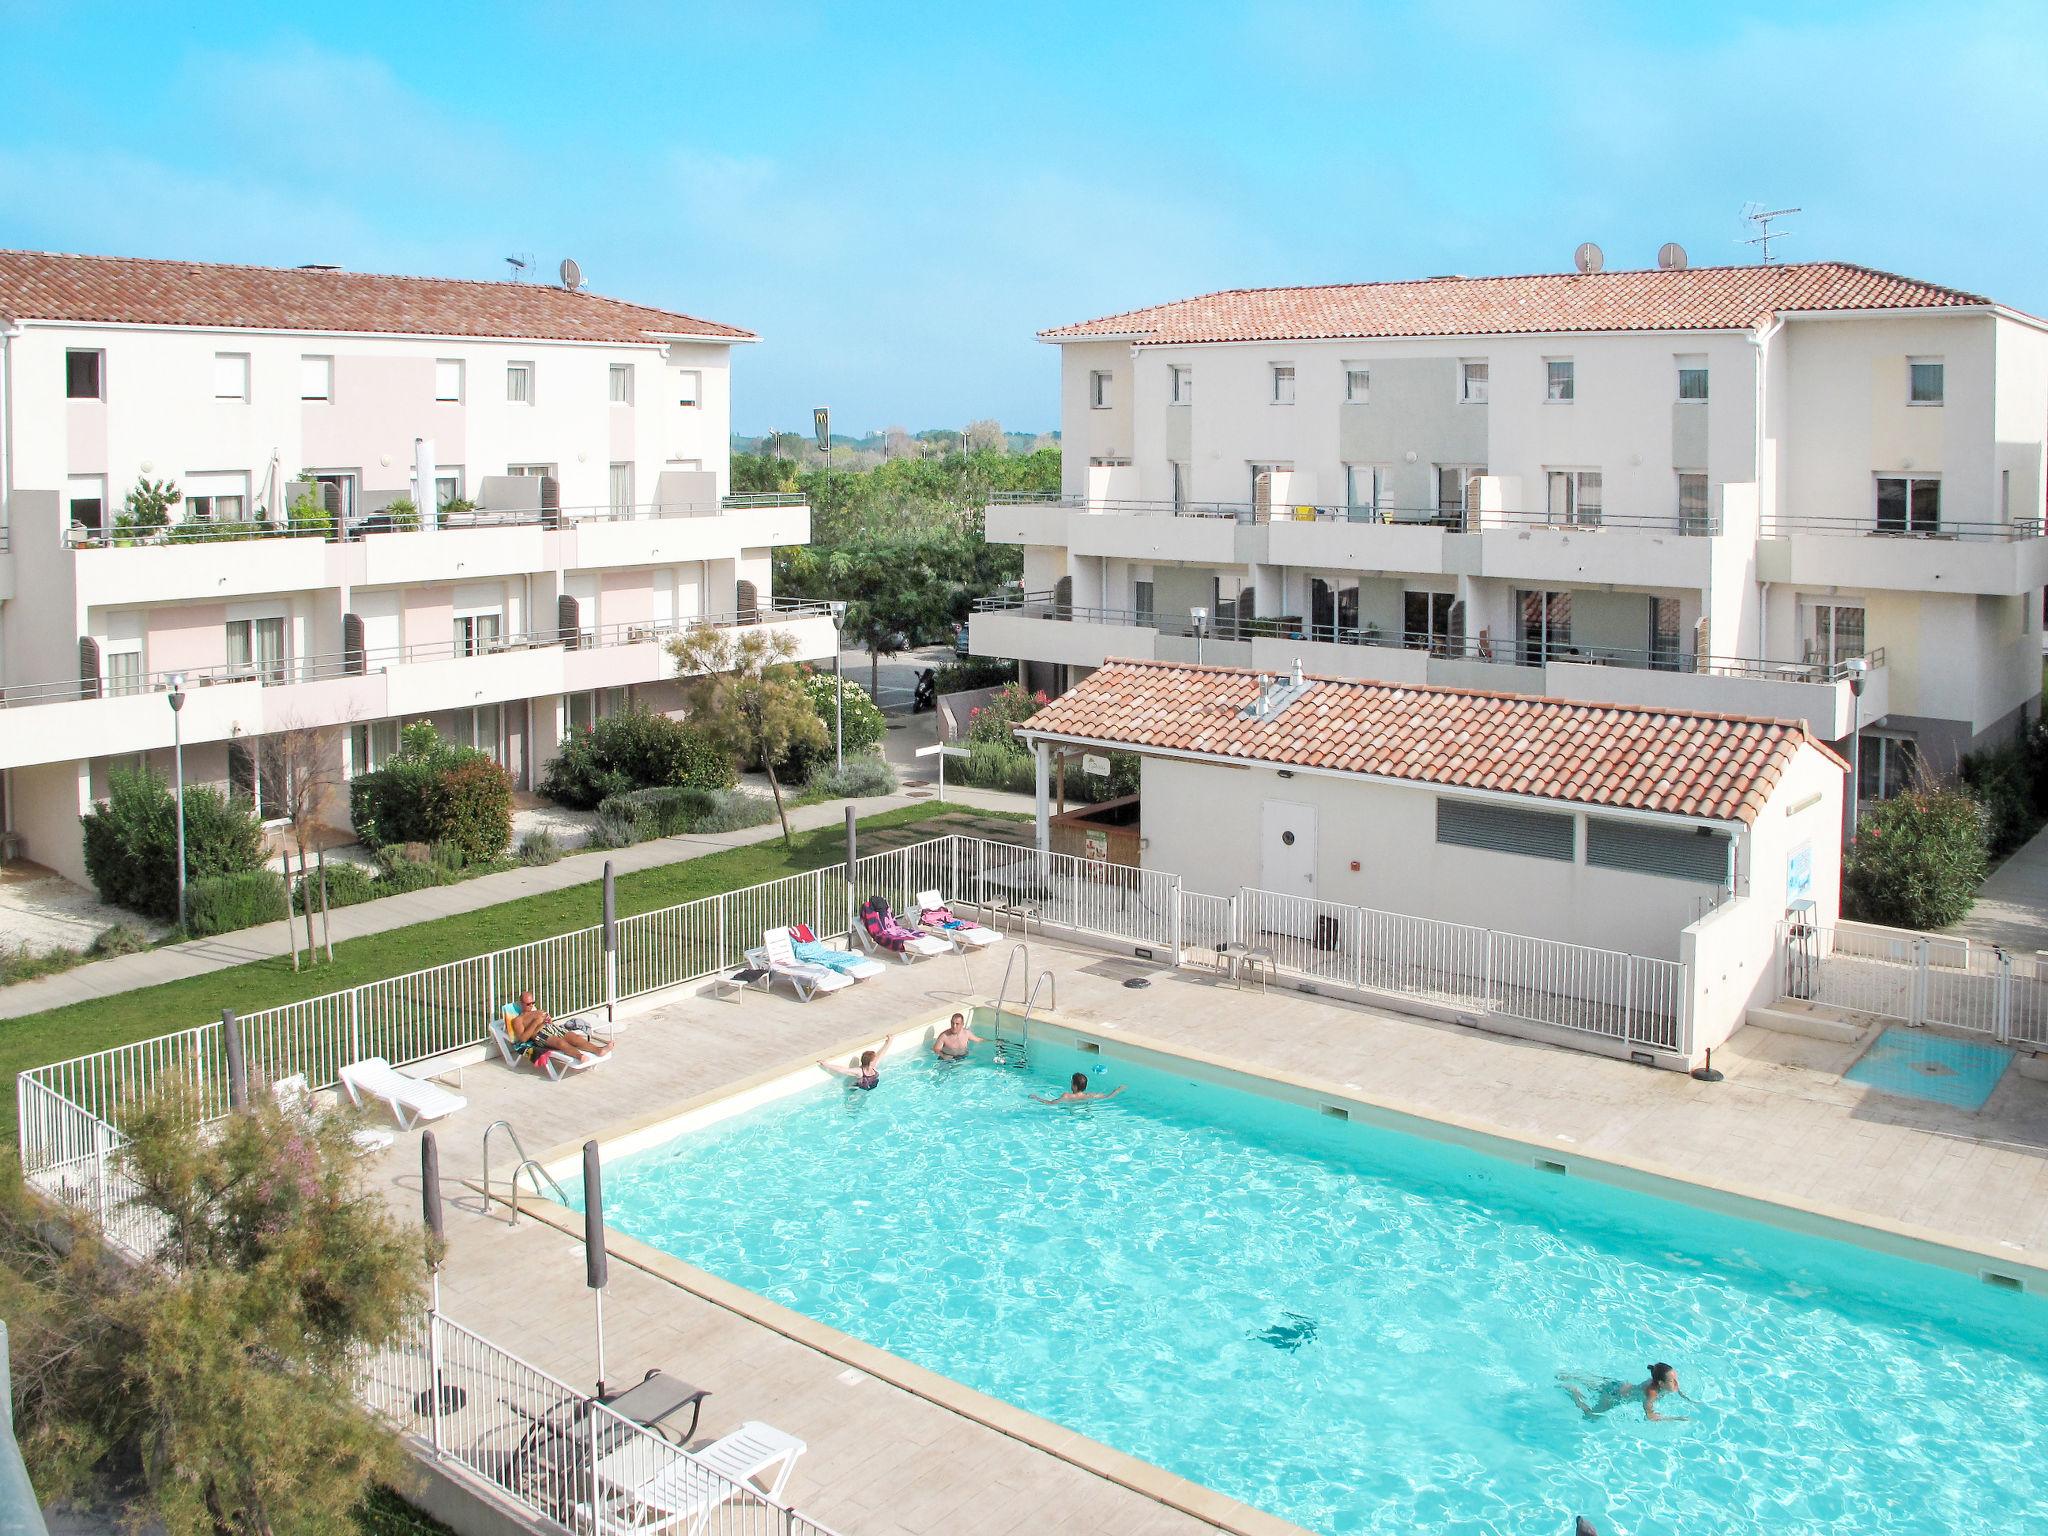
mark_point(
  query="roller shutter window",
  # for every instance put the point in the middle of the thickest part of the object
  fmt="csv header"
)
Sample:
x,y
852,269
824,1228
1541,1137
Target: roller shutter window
x,y
1506,829
1678,853
568,621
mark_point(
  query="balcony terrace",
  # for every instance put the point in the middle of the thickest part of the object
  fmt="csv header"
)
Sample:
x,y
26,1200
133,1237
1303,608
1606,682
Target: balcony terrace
x,y
1935,554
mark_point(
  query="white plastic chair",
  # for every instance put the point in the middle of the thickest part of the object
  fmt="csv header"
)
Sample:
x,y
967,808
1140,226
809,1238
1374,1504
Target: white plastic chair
x,y
976,937
295,1097
556,1064
860,969
411,1100
807,980
687,1491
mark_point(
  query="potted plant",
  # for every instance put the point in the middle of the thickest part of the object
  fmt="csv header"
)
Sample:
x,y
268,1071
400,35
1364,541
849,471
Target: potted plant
x,y
404,513
146,511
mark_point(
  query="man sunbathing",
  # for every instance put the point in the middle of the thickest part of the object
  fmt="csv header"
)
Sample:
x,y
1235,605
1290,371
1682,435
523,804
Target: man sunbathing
x,y
534,1030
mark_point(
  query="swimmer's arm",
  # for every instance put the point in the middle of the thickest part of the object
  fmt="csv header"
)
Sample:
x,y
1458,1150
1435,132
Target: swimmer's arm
x,y
838,1071
1119,1088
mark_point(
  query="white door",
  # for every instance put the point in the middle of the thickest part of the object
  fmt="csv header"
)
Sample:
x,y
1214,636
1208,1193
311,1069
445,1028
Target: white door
x,y
1287,862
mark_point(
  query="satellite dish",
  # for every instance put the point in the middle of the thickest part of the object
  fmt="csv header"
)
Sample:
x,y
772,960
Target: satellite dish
x,y
1671,256
1587,258
572,275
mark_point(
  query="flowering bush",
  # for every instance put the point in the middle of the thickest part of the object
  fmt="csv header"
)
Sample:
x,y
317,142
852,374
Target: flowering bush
x,y
1916,860
990,723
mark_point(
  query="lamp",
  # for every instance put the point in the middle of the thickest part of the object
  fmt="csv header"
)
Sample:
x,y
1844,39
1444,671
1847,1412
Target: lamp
x,y
1857,668
838,608
177,698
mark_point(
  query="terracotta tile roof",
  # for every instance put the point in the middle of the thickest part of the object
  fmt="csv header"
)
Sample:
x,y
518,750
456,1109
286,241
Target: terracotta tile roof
x,y
1721,767
1697,298
45,285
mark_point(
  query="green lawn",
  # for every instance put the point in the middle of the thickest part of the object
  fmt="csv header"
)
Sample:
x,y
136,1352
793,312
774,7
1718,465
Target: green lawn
x,y
105,1022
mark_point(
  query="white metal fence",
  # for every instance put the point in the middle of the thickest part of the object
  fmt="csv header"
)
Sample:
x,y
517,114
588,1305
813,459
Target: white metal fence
x,y
1917,979
554,1451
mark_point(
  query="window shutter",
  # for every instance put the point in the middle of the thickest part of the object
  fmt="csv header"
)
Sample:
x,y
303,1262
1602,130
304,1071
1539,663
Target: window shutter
x,y
88,667
747,599
1247,606
550,502
1677,853
1454,636
1063,597
568,621
1505,829
353,661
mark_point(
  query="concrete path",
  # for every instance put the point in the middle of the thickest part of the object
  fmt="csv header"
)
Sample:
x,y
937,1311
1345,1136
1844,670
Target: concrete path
x,y
2012,905
126,973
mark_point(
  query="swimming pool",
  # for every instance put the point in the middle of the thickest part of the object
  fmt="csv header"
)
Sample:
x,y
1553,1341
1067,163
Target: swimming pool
x,y
1356,1328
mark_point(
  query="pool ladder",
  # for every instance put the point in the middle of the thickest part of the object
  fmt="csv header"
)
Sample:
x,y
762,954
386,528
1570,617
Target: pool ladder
x,y
1014,1053
525,1162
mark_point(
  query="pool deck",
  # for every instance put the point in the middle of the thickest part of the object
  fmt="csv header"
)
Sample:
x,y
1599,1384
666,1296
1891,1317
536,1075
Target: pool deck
x,y
919,1458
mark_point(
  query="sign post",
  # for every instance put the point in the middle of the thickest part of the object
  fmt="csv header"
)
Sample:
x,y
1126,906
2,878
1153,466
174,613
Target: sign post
x,y
941,751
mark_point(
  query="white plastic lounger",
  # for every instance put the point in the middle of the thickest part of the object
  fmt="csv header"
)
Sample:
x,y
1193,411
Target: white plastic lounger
x,y
685,1494
976,937
557,1064
295,1098
860,969
807,980
411,1100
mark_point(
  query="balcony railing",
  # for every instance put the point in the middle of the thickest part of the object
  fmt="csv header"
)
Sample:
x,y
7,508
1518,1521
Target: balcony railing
x,y
1781,526
311,669
373,524
1507,652
1450,519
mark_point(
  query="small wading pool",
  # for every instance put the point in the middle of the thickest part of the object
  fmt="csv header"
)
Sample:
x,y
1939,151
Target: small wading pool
x,y
1352,1327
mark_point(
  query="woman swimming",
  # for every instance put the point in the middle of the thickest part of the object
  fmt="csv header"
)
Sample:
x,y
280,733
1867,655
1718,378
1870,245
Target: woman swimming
x,y
1609,1394
867,1074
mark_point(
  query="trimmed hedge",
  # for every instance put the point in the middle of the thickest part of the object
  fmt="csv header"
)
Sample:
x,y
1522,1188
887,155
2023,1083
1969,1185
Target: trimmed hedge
x,y
227,903
634,750
870,775
434,792
469,806
131,841
1916,860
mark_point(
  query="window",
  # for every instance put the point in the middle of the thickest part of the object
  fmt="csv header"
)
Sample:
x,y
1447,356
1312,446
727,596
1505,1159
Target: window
x,y
1263,476
1333,609
1457,493
124,675
1692,378
1180,484
447,484
448,379
580,711
1283,383
535,470
1098,390
372,746
1506,829
622,489
85,375
1693,514
256,774
1432,621
1835,633
622,383
1545,630
86,499
215,509
1141,600
1364,487
1886,766
1677,853
1906,504
1924,382
1560,379
1472,378
1575,497
230,375
256,649
1183,385
689,388
316,378
478,633
1357,385
519,383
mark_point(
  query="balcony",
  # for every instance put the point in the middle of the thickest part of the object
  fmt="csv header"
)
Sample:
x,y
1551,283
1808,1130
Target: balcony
x,y
66,721
1995,559
1035,627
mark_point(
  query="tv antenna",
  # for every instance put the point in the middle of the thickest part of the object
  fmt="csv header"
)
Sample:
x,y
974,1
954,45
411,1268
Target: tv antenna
x,y
519,264
1760,216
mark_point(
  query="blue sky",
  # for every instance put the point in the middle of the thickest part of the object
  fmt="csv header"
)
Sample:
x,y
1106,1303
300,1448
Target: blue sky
x,y
897,196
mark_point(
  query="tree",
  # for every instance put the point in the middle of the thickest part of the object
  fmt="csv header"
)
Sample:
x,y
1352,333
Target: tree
x,y
308,759
744,690
211,1388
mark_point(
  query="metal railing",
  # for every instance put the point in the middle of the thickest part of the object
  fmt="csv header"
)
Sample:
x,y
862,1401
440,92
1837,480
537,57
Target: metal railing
x,y
1380,514
1917,978
377,524
1780,525
558,1453
286,670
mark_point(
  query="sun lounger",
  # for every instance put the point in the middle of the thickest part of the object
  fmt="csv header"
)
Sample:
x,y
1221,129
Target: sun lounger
x,y
881,932
807,949
806,980
295,1097
557,1064
411,1100
682,1495
933,913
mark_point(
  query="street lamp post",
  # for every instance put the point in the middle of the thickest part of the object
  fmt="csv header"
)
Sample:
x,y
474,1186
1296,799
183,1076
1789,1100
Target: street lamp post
x,y
838,690
1199,616
177,697
1856,667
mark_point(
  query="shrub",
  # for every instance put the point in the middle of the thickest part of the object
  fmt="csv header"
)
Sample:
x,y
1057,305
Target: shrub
x,y
403,512
468,809
131,841
121,939
226,903
975,672
308,512
862,725
662,811
347,886
733,809
538,847
991,765
146,508
634,750
616,829
407,875
1916,860
992,721
861,776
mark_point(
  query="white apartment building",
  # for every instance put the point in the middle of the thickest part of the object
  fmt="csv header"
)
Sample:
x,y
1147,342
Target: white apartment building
x,y
577,452
1754,490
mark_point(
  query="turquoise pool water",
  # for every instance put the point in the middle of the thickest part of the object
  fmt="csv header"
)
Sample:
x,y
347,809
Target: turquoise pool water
x,y
1918,1065
1357,1329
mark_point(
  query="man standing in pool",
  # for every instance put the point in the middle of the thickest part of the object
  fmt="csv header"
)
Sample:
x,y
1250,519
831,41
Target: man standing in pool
x,y
1079,1093
867,1074
1609,1394
951,1043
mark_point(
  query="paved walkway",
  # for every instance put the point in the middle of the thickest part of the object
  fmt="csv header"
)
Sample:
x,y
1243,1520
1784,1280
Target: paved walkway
x,y
2012,905
126,973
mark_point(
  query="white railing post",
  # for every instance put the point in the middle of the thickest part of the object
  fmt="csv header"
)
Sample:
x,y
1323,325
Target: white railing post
x,y
718,959
434,1376
491,980
2002,998
1628,996
355,1023
1173,888
589,1489
1486,975
1918,1002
